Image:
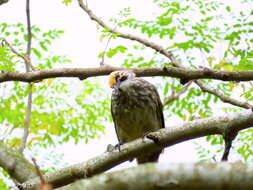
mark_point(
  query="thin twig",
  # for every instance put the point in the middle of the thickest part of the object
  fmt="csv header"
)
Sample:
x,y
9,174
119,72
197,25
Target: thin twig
x,y
25,58
106,46
29,32
223,97
29,98
175,96
107,43
161,50
43,184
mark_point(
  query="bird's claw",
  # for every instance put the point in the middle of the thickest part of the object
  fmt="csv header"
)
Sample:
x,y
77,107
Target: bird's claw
x,y
153,137
117,146
111,148
144,135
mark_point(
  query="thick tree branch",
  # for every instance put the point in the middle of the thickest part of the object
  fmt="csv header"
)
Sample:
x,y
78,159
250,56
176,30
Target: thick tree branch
x,y
180,176
157,48
84,73
15,164
166,137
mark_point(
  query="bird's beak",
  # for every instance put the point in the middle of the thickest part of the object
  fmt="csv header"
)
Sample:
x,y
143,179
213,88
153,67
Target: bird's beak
x,y
117,85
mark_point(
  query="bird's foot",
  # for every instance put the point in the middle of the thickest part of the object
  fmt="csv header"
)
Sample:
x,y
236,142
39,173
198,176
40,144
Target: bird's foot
x,y
111,148
153,137
117,146
144,135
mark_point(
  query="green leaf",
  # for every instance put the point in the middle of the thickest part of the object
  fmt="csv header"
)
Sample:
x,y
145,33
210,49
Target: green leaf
x,y
228,8
36,52
66,2
42,45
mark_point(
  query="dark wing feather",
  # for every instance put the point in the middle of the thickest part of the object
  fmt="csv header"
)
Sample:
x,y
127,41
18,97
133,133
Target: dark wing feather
x,y
160,108
113,116
159,105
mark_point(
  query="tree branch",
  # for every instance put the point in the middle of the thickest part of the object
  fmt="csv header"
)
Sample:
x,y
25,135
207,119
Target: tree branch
x,y
43,184
25,58
15,164
194,176
166,137
224,98
84,73
143,41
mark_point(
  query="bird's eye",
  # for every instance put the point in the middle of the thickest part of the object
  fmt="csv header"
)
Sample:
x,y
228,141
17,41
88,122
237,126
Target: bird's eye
x,y
122,76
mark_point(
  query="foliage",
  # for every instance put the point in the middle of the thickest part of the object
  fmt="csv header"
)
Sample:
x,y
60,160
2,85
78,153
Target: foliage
x,y
66,2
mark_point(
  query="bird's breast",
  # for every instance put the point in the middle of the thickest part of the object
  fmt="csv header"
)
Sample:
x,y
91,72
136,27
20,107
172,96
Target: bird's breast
x,y
134,113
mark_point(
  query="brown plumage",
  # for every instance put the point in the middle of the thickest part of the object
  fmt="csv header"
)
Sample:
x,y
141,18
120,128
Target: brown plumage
x,y
136,109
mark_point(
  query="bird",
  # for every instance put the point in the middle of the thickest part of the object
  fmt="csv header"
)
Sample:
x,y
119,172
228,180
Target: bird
x,y
136,109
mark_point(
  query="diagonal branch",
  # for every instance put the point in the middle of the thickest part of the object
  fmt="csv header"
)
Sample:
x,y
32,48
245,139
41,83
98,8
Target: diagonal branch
x,y
143,41
224,98
175,96
43,184
25,58
154,46
166,137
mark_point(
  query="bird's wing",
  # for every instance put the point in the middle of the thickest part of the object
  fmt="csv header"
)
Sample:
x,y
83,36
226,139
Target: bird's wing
x,y
159,108
156,98
113,117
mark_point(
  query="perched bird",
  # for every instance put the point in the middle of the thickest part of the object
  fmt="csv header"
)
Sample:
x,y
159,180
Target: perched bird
x,y
136,109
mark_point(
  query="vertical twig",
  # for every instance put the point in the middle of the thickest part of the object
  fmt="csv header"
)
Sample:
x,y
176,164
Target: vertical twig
x,y
29,32
106,46
29,98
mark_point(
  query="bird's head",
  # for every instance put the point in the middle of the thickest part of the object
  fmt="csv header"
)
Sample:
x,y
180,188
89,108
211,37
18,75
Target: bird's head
x,y
117,77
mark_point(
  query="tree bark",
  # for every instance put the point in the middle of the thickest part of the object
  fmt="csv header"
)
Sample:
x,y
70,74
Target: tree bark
x,y
83,73
194,176
15,164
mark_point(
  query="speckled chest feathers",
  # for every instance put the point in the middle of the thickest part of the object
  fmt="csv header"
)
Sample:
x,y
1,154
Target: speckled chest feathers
x,y
136,109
